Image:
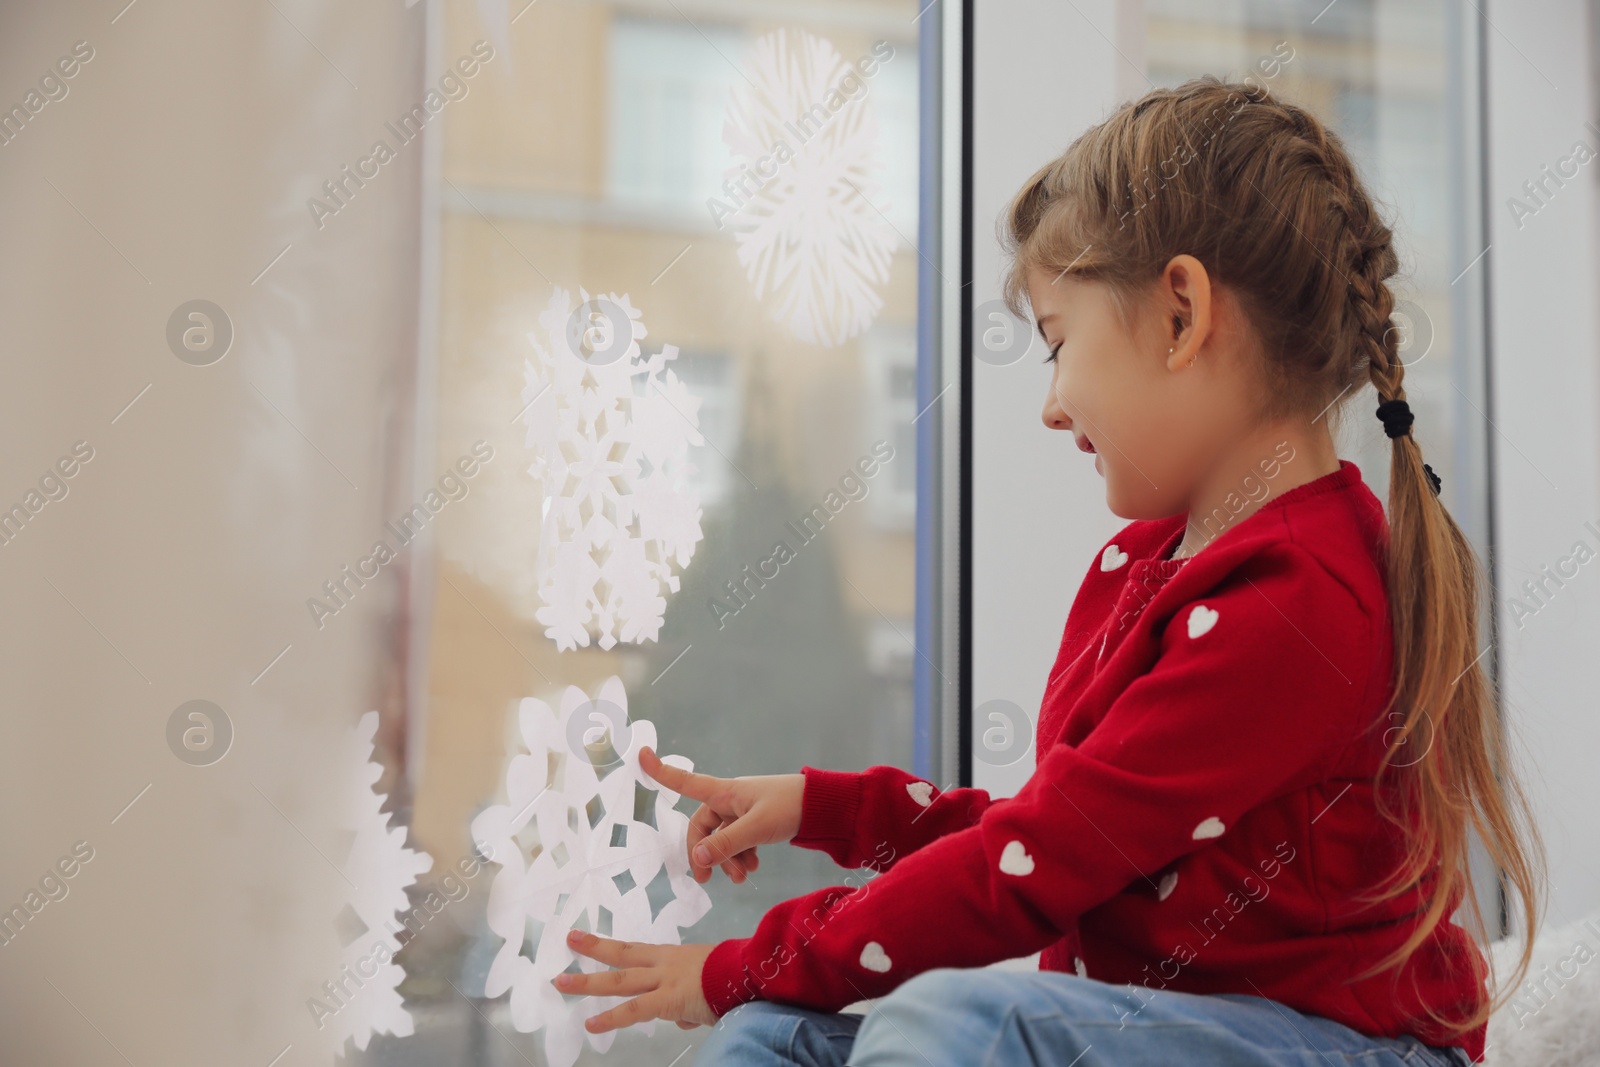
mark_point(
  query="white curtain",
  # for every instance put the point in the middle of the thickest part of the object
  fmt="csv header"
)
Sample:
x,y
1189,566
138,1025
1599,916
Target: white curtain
x,y
177,163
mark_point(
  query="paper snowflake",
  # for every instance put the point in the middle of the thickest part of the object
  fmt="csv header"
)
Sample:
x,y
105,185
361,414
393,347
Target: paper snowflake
x,y
813,237
611,430
378,869
585,840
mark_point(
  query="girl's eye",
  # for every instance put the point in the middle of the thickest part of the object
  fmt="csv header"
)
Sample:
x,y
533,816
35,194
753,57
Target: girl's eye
x,y
1051,358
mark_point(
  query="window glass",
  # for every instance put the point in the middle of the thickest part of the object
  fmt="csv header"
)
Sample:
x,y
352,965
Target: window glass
x,y
613,153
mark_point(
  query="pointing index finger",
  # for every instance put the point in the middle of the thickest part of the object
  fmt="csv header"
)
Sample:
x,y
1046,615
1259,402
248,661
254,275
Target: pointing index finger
x,y
699,787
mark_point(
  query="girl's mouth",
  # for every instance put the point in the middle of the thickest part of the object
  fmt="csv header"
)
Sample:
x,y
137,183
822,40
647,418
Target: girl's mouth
x,y
1085,445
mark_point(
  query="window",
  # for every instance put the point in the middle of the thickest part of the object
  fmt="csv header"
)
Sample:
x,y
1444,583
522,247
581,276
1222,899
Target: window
x,y
587,161
665,104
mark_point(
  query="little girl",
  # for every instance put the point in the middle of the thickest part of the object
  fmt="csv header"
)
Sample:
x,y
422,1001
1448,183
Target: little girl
x,y
1267,735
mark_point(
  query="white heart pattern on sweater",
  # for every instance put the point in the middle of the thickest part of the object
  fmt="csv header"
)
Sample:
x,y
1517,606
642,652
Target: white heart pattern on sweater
x,y
1168,884
921,792
1212,827
1112,558
1014,859
873,958
1201,620
1078,965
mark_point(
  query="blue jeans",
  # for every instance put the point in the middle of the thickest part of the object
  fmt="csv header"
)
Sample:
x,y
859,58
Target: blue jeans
x,y
970,1018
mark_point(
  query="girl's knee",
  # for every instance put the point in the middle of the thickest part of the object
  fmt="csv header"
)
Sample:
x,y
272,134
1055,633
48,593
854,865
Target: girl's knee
x,y
948,991
942,999
941,990
918,1010
984,1015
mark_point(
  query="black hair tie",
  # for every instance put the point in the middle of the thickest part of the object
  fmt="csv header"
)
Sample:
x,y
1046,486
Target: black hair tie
x,y
1397,418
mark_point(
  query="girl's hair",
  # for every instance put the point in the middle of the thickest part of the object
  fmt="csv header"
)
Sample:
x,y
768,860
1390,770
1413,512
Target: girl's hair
x,y
1269,201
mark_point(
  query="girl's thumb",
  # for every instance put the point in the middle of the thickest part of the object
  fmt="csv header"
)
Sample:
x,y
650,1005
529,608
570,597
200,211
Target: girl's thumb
x,y
716,848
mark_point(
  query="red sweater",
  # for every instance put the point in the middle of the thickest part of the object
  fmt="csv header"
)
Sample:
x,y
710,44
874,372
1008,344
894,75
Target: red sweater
x,y
1201,816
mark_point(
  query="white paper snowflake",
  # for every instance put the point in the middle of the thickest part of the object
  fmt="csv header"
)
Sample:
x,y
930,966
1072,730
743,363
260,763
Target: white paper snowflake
x,y
611,430
813,238
378,870
586,841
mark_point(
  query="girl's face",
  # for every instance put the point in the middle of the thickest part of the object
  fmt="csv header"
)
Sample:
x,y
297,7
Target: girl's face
x,y
1154,404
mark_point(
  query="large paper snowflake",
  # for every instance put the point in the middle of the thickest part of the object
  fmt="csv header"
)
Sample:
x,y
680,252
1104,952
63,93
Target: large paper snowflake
x,y
586,840
813,238
378,869
611,430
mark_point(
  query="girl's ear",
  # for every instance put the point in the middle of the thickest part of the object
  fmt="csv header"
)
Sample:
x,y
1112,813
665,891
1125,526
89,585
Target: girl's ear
x,y
1184,295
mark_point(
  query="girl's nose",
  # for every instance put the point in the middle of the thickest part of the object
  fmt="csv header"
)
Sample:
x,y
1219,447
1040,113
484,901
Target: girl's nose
x,y
1054,417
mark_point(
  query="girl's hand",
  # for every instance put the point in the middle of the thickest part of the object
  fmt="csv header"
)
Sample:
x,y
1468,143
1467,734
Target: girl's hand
x,y
664,981
735,815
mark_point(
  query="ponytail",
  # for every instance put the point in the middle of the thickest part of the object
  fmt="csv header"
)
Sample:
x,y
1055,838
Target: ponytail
x,y
1445,740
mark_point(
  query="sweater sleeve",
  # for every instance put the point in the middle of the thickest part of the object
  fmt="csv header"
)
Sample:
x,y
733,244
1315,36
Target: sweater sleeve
x,y
1255,688
874,817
